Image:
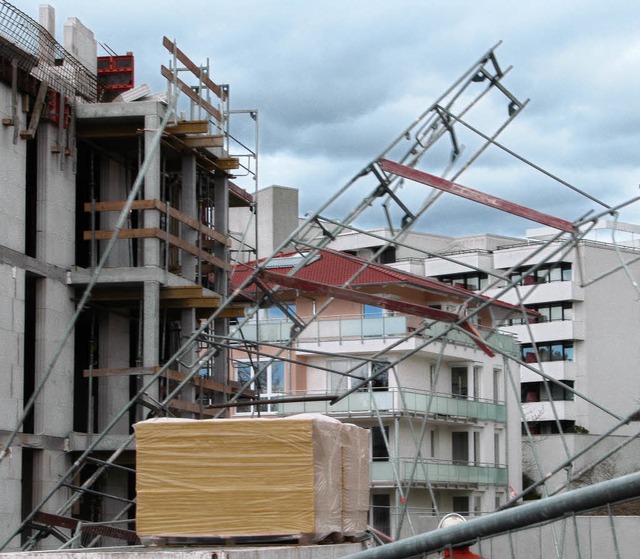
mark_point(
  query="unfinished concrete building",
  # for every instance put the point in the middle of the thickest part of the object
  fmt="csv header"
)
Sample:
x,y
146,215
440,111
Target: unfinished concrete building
x,y
100,176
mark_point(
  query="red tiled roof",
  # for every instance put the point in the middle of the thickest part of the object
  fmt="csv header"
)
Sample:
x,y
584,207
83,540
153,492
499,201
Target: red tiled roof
x,y
335,268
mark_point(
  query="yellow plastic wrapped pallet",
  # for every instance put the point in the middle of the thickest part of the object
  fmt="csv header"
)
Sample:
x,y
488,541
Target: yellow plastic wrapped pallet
x,y
355,479
239,477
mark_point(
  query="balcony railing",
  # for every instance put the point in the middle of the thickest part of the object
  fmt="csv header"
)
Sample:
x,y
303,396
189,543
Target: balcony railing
x,y
438,472
396,401
346,328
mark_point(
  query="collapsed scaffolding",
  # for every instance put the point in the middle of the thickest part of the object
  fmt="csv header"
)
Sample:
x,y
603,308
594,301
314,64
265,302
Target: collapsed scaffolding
x,y
383,183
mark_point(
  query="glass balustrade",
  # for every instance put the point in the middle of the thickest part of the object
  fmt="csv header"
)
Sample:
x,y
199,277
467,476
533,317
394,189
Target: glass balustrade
x,y
399,401
437,471
346,328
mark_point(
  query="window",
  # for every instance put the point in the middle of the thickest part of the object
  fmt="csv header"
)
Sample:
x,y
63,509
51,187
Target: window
x,y
341,382
461,505
379,448
460,447
380,512
497,377
269,382
277,313
536,391
371,311
459,386
558,271
548,351
549,312
473,281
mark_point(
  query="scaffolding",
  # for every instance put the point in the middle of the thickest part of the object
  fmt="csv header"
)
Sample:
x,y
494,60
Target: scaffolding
x,y
182,242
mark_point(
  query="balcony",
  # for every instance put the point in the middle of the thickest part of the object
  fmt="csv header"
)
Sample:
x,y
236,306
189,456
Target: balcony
x,y
544,411
549,331
352,328
437,472
559,370
541,292
396,401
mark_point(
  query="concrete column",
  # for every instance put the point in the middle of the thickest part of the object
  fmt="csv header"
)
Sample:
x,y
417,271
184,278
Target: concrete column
x,y
116,484
188,324
113,187
152,191
189,206
113,391
221,325
56,203
151,330
12,300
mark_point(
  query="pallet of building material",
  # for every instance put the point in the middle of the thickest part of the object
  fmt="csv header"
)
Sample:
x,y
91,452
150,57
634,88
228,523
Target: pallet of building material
x,y
355,481
239,478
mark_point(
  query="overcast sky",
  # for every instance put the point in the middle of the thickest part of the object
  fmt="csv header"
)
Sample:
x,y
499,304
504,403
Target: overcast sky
x,y
336,81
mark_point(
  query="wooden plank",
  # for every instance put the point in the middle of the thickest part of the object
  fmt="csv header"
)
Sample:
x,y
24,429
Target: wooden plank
x,y
205,141
215,113
193,303
30,132
231,311
119,371
206,80
192,249
72,523
118,206
157,233
188,127
105,234
181,292
226,164
171,374
475,195
194,223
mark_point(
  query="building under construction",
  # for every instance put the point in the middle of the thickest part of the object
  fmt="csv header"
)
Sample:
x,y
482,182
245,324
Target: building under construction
x,y
120,303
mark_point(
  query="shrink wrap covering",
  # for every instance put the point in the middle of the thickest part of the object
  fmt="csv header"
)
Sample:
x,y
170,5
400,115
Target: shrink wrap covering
x,y
239,477
355,479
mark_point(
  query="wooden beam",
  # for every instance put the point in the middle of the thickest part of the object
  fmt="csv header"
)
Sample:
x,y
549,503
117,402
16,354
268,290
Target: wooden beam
x,y
202,76
30,132
226,164
70,523
183,127
215,113
475,195
231,311
117,206
181,292
106,234
210,385
193,303
150,233
204,141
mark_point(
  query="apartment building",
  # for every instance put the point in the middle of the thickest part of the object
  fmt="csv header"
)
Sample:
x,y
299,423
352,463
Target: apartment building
x,y
586,296
443,424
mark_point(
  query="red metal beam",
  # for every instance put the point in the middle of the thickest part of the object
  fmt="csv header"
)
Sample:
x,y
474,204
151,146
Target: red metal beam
x,y
475,195
370,299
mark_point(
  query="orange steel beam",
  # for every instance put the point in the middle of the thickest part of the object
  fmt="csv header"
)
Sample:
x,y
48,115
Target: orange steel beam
x,y
370,299
475,195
